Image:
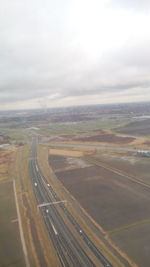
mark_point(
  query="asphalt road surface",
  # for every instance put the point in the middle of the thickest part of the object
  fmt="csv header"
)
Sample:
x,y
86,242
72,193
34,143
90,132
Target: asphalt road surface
x,y
100,147
67,245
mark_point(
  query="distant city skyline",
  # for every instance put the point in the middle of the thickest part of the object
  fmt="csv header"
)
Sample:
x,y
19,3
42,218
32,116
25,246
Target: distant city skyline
x,y
70,52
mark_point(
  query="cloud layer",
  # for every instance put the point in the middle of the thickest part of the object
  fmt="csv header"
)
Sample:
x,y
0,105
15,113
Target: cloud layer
x,y
68,52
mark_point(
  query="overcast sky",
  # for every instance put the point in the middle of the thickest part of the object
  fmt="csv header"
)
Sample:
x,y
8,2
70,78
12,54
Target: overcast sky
x,y
73,52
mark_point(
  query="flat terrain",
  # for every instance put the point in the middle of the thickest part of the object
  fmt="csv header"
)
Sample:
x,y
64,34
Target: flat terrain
x,y
113,189
59,163
108,197
107,137
138,167
135,242
120,205
140,127
10,245
66,152
6,157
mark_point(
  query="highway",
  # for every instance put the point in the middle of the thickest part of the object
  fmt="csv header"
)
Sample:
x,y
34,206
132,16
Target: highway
x,y
67,244
99,147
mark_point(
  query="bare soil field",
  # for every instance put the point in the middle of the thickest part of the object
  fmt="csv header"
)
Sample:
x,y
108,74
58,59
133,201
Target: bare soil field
x,y
10,245
60,163
108,197
141,142
141,127
135,242
107,137
61,152
121,206
147,143
139,167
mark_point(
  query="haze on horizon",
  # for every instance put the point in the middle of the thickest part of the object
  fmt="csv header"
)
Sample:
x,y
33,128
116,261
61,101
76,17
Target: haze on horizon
x,y
73,52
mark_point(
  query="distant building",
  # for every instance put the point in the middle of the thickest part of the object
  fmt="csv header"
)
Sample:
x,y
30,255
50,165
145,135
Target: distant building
x,y
144,153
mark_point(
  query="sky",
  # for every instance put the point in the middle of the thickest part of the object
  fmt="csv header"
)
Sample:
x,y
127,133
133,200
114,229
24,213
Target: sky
x,y
73,52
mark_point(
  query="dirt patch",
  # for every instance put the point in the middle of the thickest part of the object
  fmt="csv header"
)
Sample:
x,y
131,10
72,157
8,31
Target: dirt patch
x,y
107,137
147,143
59,163
136,166
77,163
141,142
66,152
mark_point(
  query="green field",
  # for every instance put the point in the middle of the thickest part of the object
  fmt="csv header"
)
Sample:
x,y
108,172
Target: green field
x,y
82,126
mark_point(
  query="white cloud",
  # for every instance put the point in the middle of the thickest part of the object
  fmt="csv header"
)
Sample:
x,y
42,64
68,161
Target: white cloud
x,y
69,52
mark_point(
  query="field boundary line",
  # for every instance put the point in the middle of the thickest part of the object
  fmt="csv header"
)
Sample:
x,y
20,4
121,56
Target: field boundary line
x,y
117,171
127,226
20,228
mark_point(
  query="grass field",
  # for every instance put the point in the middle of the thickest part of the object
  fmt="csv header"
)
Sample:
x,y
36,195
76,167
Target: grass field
x,y
78,127
6,158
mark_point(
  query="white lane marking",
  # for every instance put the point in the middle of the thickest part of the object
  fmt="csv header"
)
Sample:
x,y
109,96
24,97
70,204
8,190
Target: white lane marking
x,y
36,167
20,228
54,229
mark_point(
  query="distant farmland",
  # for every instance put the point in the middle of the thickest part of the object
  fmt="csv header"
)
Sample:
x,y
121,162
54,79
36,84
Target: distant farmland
x,y
141,127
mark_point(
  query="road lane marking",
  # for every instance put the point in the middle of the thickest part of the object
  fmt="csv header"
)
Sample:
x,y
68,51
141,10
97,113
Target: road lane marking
x,y
36,167
54,229
20,228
